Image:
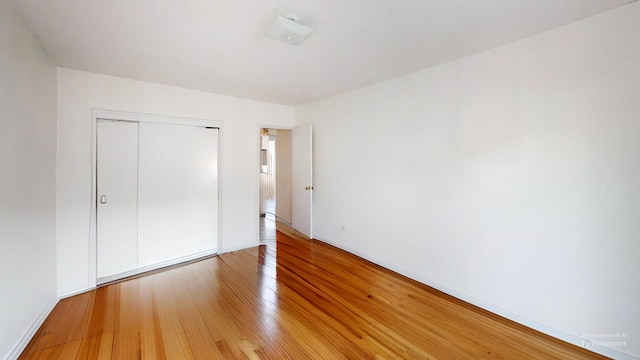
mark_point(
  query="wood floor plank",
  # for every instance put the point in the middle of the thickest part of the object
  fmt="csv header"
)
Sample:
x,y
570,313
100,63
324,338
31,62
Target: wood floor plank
x,y
290,298
151,344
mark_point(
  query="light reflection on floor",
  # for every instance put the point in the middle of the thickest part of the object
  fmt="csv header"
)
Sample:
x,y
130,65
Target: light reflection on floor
x,y
268,228
268,286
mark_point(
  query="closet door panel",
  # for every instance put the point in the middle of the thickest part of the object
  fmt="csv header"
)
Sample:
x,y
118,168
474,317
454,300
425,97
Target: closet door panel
x,y
178,192
117,195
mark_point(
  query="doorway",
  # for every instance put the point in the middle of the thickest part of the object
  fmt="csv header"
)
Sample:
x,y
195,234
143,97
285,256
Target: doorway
x,y
286,180
268,172
275,180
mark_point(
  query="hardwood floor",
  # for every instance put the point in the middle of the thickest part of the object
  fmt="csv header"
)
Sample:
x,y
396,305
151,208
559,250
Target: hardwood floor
x,y
288,299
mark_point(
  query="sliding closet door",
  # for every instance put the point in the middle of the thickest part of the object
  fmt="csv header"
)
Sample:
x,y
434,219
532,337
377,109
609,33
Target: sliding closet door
x,y
117,191
178,192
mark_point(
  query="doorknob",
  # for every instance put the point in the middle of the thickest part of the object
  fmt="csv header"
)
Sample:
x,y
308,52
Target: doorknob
x,y
309,188
103,199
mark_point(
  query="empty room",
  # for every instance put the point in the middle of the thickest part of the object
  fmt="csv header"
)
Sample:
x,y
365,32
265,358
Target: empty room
x,y
218,179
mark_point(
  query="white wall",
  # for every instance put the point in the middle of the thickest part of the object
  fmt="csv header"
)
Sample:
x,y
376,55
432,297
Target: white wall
x,y
283,174
79,92
510,178
27,181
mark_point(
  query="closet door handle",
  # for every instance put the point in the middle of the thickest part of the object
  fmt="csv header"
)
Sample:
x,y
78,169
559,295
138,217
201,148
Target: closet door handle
x,y
103,199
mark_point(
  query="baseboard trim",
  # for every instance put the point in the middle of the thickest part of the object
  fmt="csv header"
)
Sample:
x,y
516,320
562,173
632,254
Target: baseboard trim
x,y
284,221
239,247
69,294
568,338
31,332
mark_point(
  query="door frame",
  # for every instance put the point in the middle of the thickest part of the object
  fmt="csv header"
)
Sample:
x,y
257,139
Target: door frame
x,y
259,127
140,117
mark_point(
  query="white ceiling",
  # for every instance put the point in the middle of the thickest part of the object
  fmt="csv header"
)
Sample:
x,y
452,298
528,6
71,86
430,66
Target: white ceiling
x,y
219,45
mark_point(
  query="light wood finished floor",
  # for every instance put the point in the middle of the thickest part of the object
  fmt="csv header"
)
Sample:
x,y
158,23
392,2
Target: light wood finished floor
x,y
289,299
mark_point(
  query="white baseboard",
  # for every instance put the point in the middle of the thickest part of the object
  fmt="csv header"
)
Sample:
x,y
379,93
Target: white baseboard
x,y
284,221
69,294
239,247
572,339
31,332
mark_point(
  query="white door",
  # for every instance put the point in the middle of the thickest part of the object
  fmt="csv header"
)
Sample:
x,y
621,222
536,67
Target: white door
x,y
117,191
178,192
301,179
